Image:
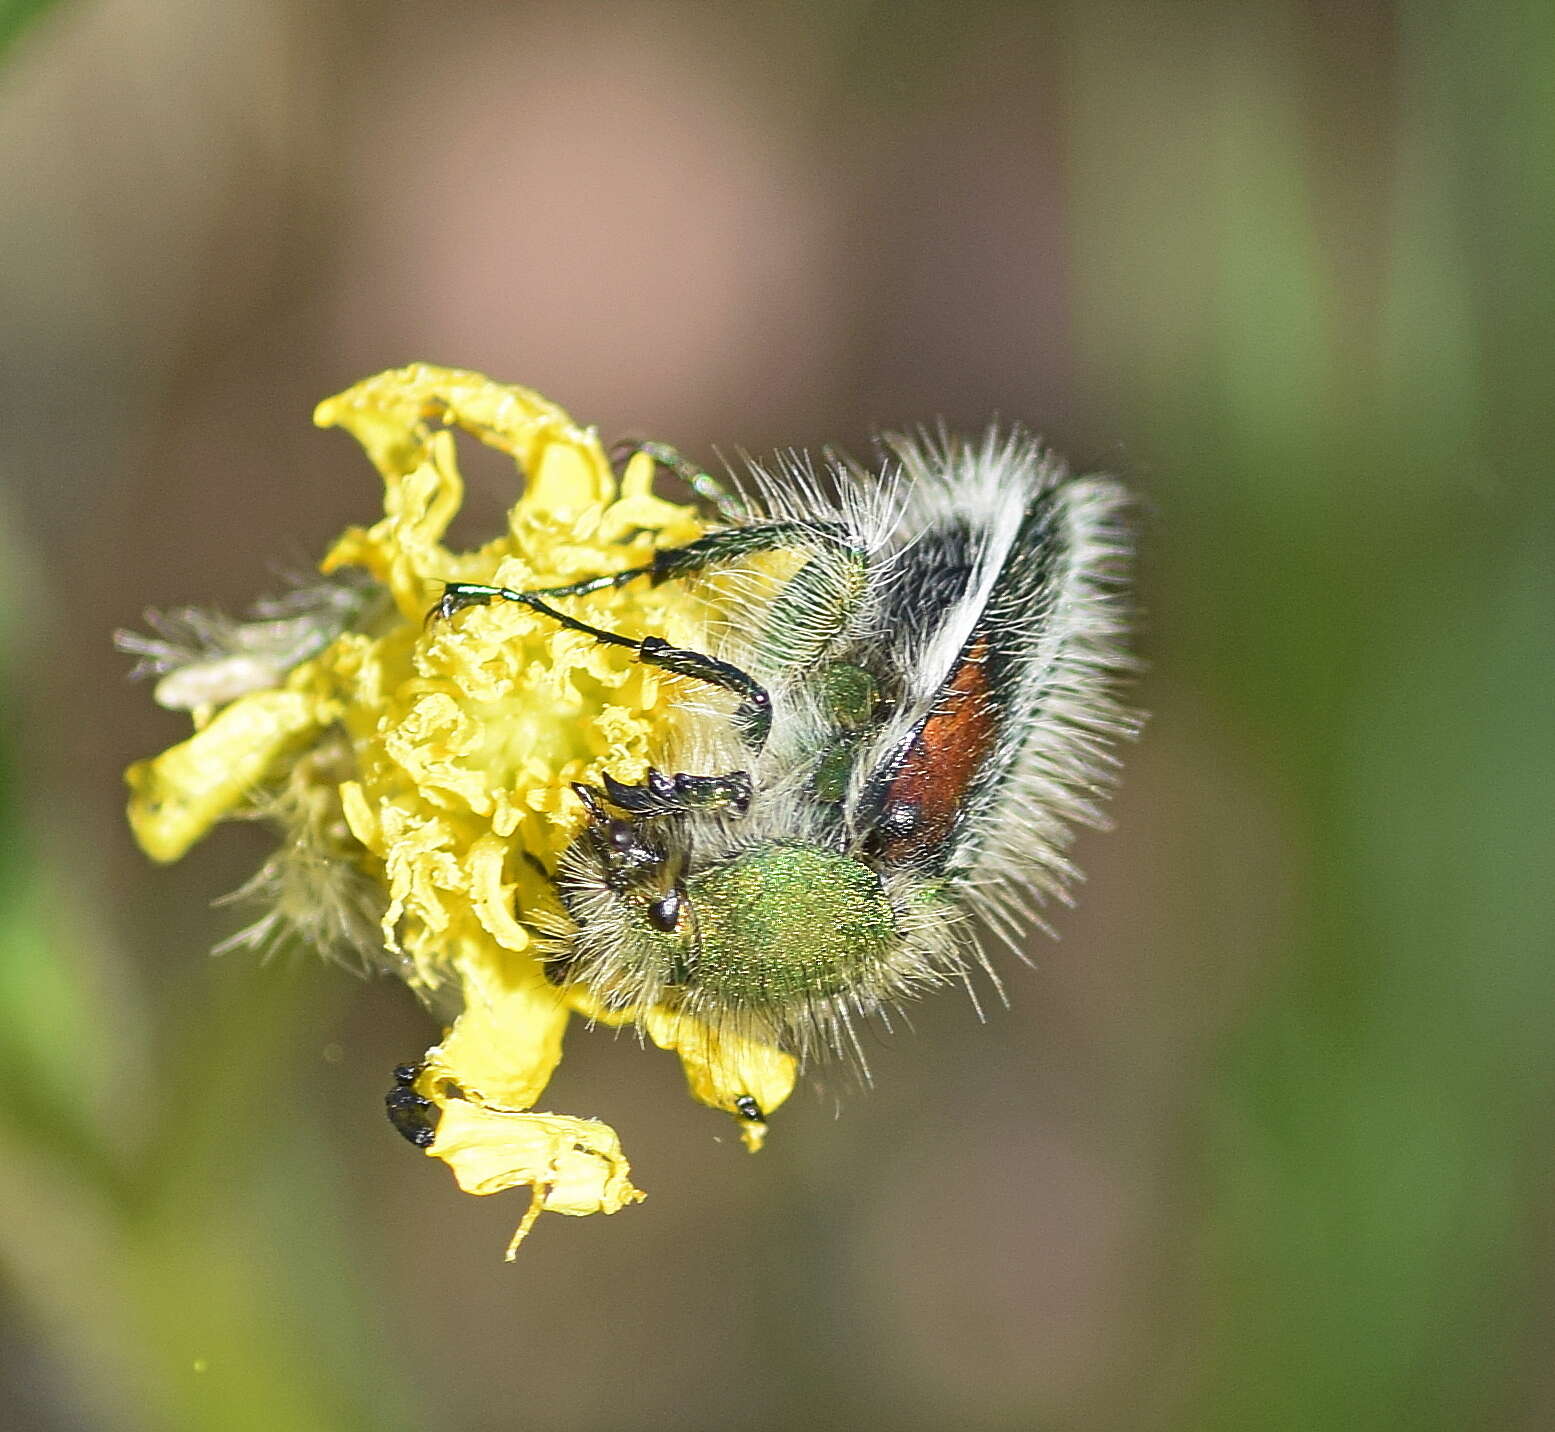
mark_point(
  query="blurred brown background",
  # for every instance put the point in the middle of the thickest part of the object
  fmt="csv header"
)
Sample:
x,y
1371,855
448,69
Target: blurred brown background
x,y
1264,1142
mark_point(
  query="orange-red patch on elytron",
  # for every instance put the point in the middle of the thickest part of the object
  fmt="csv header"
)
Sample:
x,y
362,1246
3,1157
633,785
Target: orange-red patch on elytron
x,y
944,757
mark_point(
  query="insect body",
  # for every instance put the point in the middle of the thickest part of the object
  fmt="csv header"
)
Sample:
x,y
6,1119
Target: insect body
x,y
920,712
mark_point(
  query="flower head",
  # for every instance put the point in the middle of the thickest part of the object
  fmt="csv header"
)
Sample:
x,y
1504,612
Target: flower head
x,y
421,775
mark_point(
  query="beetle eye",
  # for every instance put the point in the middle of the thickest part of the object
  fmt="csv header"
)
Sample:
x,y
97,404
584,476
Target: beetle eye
x,y
664,913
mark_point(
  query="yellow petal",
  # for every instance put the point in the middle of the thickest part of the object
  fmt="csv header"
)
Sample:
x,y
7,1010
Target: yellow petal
x,y
178,796
392,413
565,481
404,550
389,411
725,1069
584,1001
491,898
574,1166
504,1046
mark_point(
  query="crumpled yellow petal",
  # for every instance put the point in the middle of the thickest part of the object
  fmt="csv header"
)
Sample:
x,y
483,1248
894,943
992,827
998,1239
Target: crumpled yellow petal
x,y
175,798
722,1069
389,415
507,1042
575,1166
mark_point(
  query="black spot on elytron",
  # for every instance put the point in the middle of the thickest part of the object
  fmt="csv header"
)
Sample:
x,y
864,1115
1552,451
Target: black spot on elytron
x,y
899,821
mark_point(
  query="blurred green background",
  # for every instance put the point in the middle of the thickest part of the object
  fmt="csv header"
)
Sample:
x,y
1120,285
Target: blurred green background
x,y
1264,1142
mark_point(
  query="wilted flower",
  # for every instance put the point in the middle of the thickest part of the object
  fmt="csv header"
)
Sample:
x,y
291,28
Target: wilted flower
x,y
420,776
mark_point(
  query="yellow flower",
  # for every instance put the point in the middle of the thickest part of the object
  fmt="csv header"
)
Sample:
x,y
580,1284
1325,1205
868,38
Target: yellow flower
x,y
422,775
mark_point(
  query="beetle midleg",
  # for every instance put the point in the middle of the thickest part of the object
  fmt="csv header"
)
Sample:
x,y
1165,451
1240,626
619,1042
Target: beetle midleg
x,y
833,546
753,716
